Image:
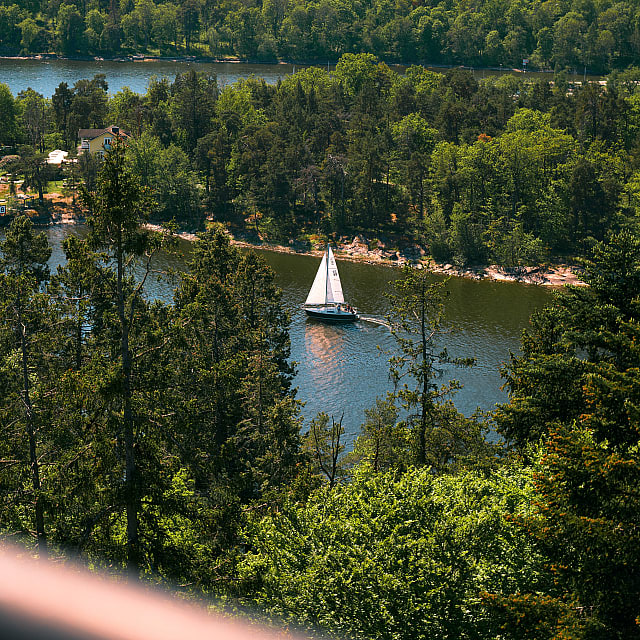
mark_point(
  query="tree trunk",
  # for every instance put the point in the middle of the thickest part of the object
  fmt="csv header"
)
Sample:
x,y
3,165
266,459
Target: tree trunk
x,y
424,399
79,335
131,490
31,433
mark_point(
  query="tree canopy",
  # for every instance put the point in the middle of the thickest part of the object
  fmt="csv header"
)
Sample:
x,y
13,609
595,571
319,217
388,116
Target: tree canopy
x,y
585,35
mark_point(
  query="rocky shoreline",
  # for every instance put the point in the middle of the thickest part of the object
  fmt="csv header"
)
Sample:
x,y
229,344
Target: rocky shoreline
x,y
200,59
358,251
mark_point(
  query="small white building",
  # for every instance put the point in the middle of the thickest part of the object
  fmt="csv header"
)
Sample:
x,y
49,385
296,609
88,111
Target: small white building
x,y
57,157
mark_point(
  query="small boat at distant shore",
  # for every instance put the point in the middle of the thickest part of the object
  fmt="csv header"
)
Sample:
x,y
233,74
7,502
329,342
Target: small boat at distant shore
x,y
326,300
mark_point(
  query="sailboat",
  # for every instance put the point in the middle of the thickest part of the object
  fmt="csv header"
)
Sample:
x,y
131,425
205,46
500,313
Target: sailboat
x,y
326,300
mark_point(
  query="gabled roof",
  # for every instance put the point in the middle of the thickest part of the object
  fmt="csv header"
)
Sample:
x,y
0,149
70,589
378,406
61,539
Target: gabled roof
x,y
90,134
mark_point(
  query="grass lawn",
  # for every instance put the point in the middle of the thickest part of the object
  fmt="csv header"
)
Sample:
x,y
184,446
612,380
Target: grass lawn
x,y
55,185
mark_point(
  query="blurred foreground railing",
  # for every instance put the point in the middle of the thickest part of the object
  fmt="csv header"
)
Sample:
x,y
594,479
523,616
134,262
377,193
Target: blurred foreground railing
x,y
40,600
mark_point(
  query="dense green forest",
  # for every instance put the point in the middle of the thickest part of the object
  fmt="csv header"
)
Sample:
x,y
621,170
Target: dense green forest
x,y
165,438
597,35
505,170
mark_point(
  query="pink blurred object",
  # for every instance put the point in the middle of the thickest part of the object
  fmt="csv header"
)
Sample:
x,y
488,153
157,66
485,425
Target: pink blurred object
x,y
40,600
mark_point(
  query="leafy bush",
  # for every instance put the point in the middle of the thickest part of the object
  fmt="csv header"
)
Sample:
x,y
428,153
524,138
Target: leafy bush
x,y
394,557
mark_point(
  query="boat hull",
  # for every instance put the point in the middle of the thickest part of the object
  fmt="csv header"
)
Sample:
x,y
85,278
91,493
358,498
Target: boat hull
x,y
331,315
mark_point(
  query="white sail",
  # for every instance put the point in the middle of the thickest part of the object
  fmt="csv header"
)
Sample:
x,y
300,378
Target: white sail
x,y
334,287
318,292
326,288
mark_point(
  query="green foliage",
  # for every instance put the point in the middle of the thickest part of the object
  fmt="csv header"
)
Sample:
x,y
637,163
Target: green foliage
x,y
500,171
586,522
27,377
233,421
34,36
177,193
440,436
119,207
69,29
8,115
167,174
192,104
356,71
511,246
35,170
576,347
84,106
394,557
576,388
324,447
118,204
383,443
595,36
136,433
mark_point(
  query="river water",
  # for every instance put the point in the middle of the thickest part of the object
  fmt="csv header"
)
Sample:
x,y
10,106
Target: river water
x,y
45,75
341,369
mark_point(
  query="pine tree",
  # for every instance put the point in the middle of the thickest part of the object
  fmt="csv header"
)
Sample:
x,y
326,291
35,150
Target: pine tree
x,y
25,324
439,434
587,500
119,206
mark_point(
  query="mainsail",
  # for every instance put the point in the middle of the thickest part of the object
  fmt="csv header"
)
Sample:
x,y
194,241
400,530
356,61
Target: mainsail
x,y
326,288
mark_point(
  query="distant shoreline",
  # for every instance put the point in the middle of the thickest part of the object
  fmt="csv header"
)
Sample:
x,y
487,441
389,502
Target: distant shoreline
x,y
556,275
235,60
358,250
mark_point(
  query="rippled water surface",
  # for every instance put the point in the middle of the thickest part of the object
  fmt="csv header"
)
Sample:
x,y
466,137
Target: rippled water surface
x,y
342,368
45,75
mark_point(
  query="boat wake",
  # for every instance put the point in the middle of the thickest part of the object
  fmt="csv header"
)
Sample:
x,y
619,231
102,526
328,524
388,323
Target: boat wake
x,y
382,323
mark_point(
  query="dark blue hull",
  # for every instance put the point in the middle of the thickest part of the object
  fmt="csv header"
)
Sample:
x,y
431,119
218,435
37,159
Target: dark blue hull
x,y
331,315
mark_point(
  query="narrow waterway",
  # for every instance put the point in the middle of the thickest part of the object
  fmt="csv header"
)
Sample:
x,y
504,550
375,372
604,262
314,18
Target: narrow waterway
x,y
45,75
342,369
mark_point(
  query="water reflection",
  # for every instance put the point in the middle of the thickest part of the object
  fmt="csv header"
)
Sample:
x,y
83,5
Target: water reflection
x,y
341,371
325,351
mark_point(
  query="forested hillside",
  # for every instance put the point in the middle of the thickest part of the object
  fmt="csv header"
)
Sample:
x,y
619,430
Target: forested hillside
x,y
583,34
164,438
505,170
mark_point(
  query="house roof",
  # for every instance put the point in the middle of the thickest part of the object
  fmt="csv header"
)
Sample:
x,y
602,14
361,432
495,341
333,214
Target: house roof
x,y
90,134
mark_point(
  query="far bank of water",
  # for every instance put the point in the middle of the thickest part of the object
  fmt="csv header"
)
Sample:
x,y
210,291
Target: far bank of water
x,y
342,369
